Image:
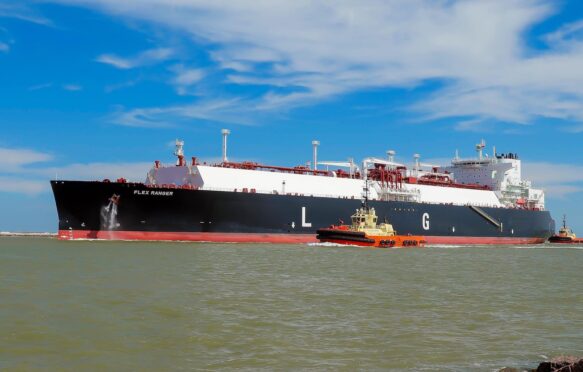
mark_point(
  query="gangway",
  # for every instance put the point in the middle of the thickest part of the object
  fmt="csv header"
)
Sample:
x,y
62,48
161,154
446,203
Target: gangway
x,y
487,217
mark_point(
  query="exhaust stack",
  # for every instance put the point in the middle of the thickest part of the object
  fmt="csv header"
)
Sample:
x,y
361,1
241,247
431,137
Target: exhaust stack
x,y
225,133
315,160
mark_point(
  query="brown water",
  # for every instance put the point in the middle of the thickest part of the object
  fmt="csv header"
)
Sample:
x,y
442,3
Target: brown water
x,y
184,306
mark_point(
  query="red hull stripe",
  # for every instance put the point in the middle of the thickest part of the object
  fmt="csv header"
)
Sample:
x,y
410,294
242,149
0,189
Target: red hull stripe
x,y
264,238
454,240
188,236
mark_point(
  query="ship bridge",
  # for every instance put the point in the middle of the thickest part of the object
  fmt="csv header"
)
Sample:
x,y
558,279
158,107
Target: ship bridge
x,y
501,173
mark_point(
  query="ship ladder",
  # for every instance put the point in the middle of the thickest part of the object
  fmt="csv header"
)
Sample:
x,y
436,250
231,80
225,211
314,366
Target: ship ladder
x,y
487,217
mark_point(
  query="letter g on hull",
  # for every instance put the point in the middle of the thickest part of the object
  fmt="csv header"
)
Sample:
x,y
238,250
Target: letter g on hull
x,y
425,221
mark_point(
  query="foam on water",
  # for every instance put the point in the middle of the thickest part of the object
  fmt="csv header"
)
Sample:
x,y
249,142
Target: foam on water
x,y
328,244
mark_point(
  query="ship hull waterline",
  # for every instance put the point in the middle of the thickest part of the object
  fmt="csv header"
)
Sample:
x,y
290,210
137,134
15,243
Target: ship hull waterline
x,y
86,211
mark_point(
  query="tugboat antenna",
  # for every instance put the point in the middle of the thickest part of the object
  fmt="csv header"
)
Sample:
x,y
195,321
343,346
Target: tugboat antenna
x,y
564,221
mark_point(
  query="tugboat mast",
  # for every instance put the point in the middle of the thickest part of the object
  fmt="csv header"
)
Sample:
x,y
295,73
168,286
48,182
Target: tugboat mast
x,y
365,200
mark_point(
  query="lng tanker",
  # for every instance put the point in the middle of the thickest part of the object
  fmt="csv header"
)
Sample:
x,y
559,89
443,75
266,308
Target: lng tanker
x,y
482,200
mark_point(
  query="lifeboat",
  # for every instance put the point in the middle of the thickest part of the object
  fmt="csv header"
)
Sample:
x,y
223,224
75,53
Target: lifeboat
x,y
364,231
565,235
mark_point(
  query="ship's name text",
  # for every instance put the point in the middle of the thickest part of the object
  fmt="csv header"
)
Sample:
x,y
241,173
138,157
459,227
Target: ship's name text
x,y
153,192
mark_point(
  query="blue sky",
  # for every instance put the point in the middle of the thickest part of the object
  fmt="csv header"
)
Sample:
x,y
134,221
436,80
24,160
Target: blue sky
x,y
96,89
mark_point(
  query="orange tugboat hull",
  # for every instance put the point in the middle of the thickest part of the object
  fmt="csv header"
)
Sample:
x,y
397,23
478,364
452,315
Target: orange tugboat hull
x,y
348,237
565,240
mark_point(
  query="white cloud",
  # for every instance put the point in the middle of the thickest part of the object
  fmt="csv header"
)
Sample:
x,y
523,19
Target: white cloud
x,y
145,58
20,10
135,172
28,180
549,173
555,191
122,85
189,77
21,172
115,61
72,87
558,180
69,87
185,78
225,110
40,86
16,158
4,47
15,161
569,30
323,49
22,185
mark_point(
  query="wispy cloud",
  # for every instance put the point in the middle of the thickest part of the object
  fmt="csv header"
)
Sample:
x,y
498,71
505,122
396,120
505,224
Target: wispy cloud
x,y
305,52
22,11
40,86
14,159
122,85
22,185
186,77
35,180
145,58
6,40
68,87
558,180
21,171
14,167
567,32
72,87
225,110
135,172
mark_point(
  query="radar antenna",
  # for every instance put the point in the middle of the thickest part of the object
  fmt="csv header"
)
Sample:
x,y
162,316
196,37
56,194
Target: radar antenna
x,y
480,148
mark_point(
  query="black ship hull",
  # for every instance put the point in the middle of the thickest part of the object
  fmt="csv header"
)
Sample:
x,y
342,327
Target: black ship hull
x,y
104,210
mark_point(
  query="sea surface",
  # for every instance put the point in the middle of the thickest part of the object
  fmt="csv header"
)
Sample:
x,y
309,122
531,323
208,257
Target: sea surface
x,y
136,306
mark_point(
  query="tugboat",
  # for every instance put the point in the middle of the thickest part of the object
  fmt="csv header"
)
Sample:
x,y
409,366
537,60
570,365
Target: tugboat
x,y
565,235
364,231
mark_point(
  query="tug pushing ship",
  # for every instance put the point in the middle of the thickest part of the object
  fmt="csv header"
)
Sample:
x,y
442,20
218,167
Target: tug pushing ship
x,y
365,231
565,235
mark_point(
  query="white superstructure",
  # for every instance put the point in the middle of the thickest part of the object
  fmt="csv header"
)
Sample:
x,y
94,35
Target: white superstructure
x,y
500,173
484,181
